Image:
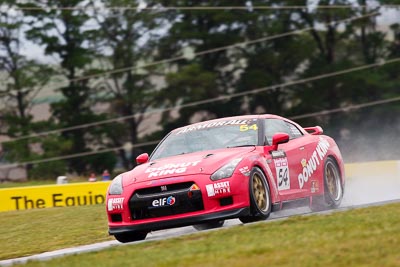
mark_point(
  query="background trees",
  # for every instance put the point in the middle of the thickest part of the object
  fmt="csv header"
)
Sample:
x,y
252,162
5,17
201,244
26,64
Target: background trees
x,y
63,33
22,80
126,40
112,64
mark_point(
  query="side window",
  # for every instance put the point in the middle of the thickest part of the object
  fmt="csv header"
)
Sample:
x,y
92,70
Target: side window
x,y
294,131
273,126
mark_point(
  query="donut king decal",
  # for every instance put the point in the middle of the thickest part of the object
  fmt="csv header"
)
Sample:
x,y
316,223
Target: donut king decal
x,y
170,168
313,162
220,123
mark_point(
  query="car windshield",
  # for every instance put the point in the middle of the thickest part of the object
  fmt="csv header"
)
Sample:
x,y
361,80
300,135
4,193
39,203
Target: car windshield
x,y
208,136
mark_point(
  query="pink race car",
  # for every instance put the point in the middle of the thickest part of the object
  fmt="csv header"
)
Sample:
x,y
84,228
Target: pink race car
x,y
238,167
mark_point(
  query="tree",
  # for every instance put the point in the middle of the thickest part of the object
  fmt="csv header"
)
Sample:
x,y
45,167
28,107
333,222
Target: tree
x,y
128,39
24,80
273,62
208,75
236,69
62,32
342,46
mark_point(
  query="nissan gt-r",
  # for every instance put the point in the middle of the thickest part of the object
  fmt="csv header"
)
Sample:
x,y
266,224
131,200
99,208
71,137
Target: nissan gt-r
x,y
241,167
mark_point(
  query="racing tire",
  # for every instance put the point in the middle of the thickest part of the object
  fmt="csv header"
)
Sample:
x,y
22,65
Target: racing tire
x,y
333,189
208,225
260,197
130,236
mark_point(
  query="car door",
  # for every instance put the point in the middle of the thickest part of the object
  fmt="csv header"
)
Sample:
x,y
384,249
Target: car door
x,y
286,162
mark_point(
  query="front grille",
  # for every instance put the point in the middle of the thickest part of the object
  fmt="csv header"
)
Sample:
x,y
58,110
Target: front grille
x,y
161,189
157,202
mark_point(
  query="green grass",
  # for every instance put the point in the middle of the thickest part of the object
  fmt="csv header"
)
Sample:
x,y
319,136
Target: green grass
x,y
30,232
28,183
40,182
363,237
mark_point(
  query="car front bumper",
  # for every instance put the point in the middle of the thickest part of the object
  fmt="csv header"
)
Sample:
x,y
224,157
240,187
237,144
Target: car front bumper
x,y
172,223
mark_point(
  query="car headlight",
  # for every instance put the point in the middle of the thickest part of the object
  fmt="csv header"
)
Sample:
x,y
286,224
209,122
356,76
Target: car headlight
x,y
116,186
225,171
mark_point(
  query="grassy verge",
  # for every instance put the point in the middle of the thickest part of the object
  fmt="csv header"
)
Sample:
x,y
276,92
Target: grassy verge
x,y
28,183
364,237
30,232
41,182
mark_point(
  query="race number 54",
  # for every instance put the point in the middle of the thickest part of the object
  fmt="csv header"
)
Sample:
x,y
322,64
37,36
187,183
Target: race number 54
x,y
282,173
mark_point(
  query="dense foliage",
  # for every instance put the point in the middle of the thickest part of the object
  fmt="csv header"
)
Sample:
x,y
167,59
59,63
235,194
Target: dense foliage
x,y
111,63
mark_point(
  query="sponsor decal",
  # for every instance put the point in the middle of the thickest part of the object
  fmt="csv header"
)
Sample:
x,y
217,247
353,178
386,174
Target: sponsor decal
x,y
165,201
171,168
314,186
245,170
282,173
194,187
245,127
213,124
48,196
278,154
218,188
313,162
115,203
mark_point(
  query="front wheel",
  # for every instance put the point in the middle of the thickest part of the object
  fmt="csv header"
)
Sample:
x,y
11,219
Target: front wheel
x,y
332,186
260,198
130,236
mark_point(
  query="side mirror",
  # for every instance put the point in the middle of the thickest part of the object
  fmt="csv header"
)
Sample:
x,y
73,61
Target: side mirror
x,y
316,130
142,158
279,138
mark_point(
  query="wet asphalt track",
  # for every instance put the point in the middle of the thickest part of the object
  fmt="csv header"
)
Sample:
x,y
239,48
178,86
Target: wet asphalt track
x,y
360,192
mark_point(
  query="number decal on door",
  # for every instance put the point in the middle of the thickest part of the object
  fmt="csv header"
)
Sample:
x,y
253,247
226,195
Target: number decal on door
x,y
282,173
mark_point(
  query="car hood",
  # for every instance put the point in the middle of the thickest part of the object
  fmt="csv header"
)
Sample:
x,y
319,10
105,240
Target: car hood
x,y
203,162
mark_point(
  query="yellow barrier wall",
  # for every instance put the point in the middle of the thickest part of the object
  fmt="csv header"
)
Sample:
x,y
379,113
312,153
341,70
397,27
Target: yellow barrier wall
x,y
373,168
46,196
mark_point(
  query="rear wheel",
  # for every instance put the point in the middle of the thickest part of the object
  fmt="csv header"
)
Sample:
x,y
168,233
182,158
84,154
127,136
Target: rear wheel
x,y
209,225
260,200
332,186
130,236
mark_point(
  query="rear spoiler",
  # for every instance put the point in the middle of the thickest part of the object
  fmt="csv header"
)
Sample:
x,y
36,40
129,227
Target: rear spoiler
x,y
316,130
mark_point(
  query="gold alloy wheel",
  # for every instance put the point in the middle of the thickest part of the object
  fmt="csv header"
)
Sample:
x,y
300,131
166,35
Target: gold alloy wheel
x,y
260,192
333,181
